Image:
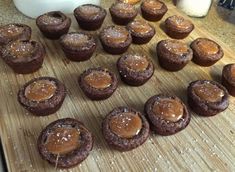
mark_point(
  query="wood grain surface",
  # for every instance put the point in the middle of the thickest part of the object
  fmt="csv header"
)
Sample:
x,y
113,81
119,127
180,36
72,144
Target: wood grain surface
x,y
207,144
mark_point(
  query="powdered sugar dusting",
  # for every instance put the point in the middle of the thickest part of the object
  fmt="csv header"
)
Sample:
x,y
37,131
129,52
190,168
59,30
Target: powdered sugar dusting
x,y
89,10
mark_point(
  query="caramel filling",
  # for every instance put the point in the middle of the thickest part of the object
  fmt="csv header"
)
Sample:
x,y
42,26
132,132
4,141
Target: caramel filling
x,y
40,90
208,47
169,109
130,1
99,79
89,10
75,40
232,70
180,22
63,140
124,8
176,47
116,35
208,92
20,49
140,27
11,31
126,125
153,4
136,62
51,19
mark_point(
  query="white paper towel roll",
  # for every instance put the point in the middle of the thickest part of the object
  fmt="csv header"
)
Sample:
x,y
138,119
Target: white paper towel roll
x,y
34,8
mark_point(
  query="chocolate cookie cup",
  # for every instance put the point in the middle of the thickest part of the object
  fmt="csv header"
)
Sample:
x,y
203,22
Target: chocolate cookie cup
x,y
141,31
98,83
14,31
206,52
207,98
167,114
65,143
125,128
24,57
122,13
115,39
78,46
135,69
132,2
42,96
178,27
89,16
173,55
53,24
228,78
153,10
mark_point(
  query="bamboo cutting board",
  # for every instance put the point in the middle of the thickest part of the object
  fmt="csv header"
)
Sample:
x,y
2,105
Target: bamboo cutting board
x,y
207,144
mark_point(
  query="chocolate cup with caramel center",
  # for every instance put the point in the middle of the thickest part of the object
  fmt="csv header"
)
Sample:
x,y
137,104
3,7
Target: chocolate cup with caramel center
x,y
167,114
65,143
42,96
207,98
125,128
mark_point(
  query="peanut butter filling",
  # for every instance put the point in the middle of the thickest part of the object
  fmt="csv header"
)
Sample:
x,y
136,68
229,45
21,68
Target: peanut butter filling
x,y
21,49
208,92
208,47
76,40
130,1
116,35
126,125
63,140
99,79
176,47
169,109
140,27
152,4
136,62
180,22
40,90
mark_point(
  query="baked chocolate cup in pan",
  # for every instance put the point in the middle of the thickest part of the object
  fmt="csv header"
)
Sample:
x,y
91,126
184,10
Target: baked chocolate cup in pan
x,y
122,13
167,114
206,52
173,55
207,98
42,96
125,128
141,31
98,83
14,31
78,46
53,24
115,39
178,27
153,10
65,143
228,78
23,56
89,16
135,69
